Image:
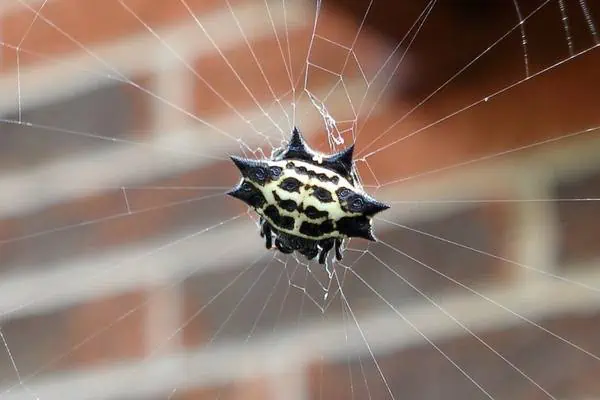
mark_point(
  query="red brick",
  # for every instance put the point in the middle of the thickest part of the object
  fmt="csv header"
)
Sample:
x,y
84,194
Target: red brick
x,y
222,79
108,343
9,228
579,222
90,23
207,393
428,262
74,125
199,328
141,107
88,334
86,225
95,223
504,123
433,58
215,71
422,372
255,389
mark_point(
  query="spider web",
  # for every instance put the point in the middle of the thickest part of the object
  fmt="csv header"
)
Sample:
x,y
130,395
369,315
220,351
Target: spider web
x,y
127,274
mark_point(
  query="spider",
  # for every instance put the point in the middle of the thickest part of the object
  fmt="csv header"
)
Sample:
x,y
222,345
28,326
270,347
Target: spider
x,y
308,202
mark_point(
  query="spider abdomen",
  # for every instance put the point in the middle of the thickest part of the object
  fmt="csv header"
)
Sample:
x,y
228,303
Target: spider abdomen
x,y
306,194
307,200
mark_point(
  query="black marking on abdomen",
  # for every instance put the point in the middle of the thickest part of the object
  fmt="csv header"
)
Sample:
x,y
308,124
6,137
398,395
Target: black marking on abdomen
x,y
302,170
310,229
275,172
343,193
322,194
323,177
290,185
313,213
327,227
288,205
287,222
282,221
316,230
257,200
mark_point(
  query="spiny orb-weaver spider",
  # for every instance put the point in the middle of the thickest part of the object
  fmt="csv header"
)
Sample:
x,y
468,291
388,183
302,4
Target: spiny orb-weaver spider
x,y
309,202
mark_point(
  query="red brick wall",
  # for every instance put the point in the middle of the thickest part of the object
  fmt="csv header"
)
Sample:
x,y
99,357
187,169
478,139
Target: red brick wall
x,y
421,372
553,104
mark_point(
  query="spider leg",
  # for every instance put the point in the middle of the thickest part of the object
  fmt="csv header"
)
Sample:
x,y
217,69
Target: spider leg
x,y
282,247
338,248
310,253
326,245
266,232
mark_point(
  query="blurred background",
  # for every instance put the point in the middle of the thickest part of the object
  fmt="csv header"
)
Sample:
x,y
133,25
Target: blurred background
x,y
125,273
